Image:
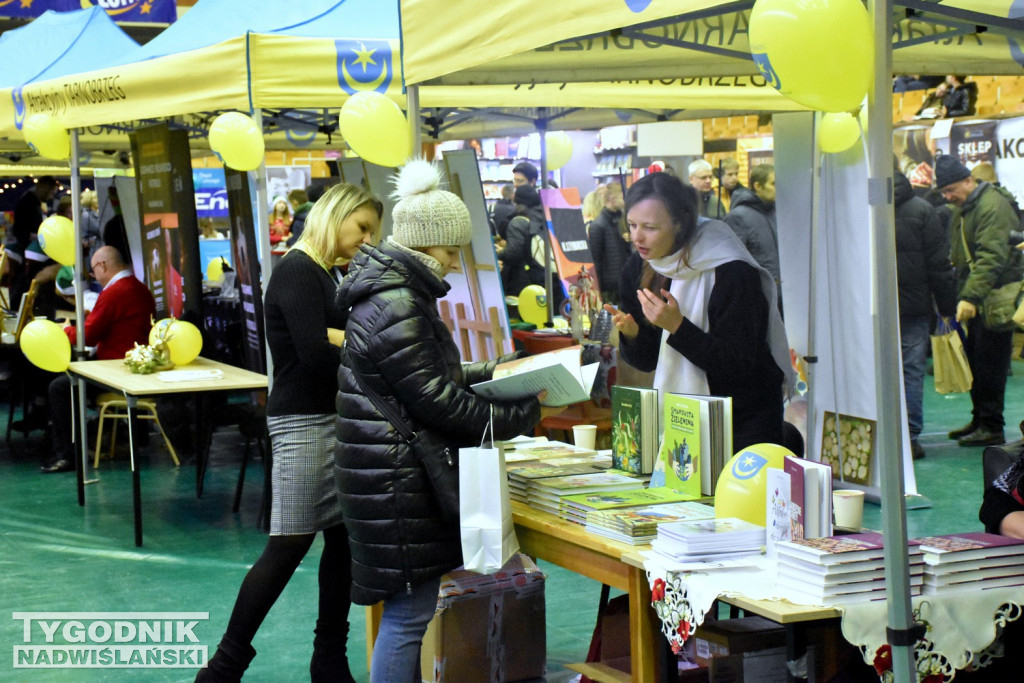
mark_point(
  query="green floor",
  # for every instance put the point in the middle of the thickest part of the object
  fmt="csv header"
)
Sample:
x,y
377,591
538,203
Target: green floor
x,y
57,556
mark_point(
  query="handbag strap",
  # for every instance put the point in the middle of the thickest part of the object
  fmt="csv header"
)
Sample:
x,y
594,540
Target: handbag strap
x,y
386,409
967,251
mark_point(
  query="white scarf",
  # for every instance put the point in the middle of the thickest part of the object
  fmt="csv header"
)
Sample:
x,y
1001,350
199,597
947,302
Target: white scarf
x,y
714,244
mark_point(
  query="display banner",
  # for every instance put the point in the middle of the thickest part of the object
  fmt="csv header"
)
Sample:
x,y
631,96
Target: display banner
x,y
170,233
147,11
563,211
247,268
211,192
974,143
1009,156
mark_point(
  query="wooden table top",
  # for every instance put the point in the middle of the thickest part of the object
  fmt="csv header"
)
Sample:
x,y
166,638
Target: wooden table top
x,y
116,375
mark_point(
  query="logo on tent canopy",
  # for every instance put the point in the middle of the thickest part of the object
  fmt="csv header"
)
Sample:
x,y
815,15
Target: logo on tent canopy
x,y
19,107
638,5
748,465
364,65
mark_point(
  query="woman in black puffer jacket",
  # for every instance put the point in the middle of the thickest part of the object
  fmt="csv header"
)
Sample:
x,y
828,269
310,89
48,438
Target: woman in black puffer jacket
x,y
396,341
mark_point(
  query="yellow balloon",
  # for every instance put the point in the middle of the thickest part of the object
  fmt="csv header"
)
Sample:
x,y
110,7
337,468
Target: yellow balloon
x,y
215,269
559,146
376,129
533,305
838,132
815,52
46,346
184,340
237,141
57,238
741,488
46,136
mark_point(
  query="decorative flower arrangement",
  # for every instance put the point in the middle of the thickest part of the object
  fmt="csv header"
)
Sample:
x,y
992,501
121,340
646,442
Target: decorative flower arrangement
x,y
144,360
674,610
926,673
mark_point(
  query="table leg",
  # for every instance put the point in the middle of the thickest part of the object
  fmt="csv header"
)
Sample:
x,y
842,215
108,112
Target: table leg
x,y
644,628
796,648
132,402
78,387
204,435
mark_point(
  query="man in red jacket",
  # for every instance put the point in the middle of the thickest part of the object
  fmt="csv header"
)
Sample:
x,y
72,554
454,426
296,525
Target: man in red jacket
x,y
122,316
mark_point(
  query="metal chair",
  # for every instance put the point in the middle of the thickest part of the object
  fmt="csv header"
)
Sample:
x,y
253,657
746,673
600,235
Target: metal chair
x,y
115,407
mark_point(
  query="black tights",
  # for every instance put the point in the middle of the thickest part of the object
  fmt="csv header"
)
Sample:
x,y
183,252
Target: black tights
x,y
271,573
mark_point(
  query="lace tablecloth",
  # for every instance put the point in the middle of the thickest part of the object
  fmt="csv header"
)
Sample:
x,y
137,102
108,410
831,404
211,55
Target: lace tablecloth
x,y
962,627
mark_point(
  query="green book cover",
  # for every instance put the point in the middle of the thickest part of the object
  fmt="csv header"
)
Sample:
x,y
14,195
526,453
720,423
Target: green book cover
x,y
634,428
622,499
679,463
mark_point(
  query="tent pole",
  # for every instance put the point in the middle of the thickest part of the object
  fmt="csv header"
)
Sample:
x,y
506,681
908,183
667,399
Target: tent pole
x,y
887,342
812,297
412,103
542,128
263,237
79,269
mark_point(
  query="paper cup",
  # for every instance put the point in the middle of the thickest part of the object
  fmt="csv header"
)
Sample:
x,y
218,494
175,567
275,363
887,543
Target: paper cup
x,y
848,507
584,436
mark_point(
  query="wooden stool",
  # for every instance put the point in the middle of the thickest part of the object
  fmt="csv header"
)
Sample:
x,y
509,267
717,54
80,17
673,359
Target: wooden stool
x,y
114,406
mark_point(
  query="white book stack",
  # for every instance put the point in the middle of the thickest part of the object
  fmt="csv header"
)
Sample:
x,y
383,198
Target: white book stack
x,y
971,562
708,540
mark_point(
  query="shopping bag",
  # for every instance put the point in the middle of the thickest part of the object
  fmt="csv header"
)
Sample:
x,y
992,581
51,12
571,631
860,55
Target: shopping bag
x,y
485,511
952,371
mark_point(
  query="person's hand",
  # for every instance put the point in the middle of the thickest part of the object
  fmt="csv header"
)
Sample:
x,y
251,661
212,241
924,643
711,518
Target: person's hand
x,y
623,322
965,310
661,312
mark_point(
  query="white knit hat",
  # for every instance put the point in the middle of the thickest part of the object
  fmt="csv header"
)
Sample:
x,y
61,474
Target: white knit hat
x,y
425,215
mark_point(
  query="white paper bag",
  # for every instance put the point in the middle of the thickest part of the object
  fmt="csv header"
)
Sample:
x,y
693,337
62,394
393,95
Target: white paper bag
x,y
485,512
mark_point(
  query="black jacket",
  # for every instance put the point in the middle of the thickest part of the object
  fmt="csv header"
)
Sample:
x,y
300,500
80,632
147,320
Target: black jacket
x,y
923,269
519,268
396,340
501,214
958,102
754,223
609,251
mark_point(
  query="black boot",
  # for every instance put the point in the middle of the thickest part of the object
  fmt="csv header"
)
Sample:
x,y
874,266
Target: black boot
x,y
329,663
228,663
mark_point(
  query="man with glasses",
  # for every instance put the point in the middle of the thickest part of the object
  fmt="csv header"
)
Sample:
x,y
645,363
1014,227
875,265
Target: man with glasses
x,y
120,318
980,232
701,178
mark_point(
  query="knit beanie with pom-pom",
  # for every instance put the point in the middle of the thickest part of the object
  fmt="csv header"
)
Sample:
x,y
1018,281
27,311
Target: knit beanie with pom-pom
x,y
426,215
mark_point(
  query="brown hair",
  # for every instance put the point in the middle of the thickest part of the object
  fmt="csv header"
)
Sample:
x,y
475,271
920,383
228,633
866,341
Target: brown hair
x,y
680,201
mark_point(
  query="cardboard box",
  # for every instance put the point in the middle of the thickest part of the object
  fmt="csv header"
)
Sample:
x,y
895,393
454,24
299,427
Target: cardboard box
x,y
488,627
762,666
727,637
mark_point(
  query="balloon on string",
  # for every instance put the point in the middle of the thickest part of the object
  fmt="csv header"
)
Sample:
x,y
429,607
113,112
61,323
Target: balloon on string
x,y
46,136
533,305
742,486
559,147
184,340
237,141
815,52
57,238
376,129
838,132
46,345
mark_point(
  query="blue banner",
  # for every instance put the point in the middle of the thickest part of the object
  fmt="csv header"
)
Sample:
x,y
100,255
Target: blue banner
x,y
211,192
151,11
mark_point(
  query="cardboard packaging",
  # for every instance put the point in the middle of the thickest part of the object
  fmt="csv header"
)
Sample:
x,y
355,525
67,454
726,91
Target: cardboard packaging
x,y
488,627
727,637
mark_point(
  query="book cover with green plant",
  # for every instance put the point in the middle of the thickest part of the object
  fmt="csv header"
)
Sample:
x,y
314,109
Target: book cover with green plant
x,y
679,459
634,429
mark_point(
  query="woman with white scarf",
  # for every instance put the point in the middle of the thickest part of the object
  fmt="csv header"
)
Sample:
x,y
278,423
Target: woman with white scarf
x,y
698,310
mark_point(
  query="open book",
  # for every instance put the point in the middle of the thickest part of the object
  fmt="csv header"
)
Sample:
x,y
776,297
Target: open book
x,y
558,372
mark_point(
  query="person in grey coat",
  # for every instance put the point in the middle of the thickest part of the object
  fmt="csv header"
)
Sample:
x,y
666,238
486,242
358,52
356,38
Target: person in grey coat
x,y
752,218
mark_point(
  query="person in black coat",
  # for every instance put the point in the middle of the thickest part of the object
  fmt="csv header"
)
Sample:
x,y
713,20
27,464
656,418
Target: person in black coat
x,y
522,260
924,275
503,211
957,101
607,245
752,218
401,544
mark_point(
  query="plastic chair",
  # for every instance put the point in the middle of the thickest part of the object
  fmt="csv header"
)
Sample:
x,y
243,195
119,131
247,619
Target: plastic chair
x,y
115,407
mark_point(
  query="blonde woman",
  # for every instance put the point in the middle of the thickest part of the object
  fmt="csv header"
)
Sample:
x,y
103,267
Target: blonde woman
x,y
304,332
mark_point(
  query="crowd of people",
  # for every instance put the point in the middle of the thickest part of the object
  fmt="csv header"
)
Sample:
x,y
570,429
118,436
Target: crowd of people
x,y
688,272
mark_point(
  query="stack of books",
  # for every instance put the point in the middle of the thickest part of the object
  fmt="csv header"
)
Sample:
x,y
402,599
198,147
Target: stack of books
x,y
839,569
638,526
576,508
546,493
696,444
708,540
971,561
522,475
